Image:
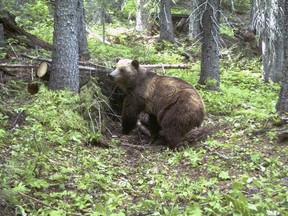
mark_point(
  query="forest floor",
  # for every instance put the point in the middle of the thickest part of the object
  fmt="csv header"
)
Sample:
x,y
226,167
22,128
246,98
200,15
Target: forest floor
x,y
235,164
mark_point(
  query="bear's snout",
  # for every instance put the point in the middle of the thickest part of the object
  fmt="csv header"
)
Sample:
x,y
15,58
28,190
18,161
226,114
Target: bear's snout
x,y
112,75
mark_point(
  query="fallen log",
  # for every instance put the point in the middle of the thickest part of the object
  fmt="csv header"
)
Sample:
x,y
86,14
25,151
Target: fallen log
x,y
165,66
50,60
43,72
168,66
37,65
18,66
12,30
88,68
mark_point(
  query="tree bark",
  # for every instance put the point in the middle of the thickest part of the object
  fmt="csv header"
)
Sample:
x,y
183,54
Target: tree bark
x,y
65,72
194,20
142,15
103,22
82,33
282,104
15,5
253,11
272,43
1,34
166,26
210,75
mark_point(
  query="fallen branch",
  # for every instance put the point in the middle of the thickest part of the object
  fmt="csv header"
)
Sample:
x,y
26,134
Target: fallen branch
x,y
36,200
36,58
216,153
18,66
168,66
132,146
36,66
83,66
50,60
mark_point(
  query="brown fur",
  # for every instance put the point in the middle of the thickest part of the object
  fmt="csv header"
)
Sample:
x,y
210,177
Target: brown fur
x,y
173,105
244,35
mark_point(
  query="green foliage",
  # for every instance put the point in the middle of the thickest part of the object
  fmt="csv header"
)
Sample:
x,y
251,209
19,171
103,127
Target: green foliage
x,y
54,129
224,29
34,16
239,6
237,85
48,167
94,106
129,8
146,53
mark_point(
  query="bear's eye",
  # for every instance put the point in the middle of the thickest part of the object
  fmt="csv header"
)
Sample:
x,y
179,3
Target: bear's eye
x,y
121,71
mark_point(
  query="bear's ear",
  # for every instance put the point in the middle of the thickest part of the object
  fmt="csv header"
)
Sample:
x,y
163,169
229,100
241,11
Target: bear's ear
x,y
135,63
117,59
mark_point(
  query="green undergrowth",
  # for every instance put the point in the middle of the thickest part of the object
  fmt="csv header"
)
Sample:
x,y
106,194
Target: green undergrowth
x,y
242,92
145,53
48,167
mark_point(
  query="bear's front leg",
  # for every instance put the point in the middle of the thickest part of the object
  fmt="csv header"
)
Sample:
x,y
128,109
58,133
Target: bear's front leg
x,y
130,112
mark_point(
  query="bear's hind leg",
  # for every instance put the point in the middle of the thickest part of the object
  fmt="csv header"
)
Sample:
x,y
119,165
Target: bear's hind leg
x,y
172,138
174,126
154,126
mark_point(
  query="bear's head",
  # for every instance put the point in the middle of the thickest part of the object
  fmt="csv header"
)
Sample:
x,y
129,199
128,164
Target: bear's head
x,y
125,73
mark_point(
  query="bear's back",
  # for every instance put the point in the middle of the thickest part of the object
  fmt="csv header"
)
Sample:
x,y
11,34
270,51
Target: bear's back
x,y
162,92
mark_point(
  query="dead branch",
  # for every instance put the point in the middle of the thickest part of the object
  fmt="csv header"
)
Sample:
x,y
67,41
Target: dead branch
x,y
36,66
132,146
11,29
36,200
90,67
216,153
168,66
18,66
81,63
36,58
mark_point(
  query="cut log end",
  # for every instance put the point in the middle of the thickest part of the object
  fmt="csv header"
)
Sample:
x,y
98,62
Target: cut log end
x,y
42,69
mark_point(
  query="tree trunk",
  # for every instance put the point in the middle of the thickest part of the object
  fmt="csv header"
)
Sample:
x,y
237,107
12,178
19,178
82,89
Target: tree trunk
x,y
166,26
253,12
14,5
65,72
82,34
210,75
194,20
1,34
278,46
282,104
103,22
272,43
142,15
266,52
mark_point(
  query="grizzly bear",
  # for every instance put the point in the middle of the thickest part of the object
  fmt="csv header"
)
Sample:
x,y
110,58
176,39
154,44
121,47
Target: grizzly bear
x,y
174,106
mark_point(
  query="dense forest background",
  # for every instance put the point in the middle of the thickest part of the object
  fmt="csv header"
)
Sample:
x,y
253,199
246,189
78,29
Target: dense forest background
x,y
62,152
